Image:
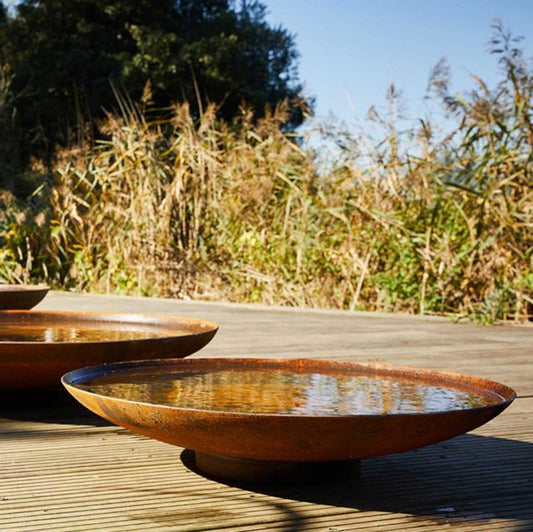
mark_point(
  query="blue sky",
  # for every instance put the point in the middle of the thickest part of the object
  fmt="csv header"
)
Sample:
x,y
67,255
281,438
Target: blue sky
x,y
351,50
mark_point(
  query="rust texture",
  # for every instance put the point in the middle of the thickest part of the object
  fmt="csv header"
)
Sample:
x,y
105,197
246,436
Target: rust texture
x,y
293,438
40,364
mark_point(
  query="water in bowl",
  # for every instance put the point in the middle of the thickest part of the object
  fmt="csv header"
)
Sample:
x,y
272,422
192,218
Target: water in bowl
x,y
286,393
67,333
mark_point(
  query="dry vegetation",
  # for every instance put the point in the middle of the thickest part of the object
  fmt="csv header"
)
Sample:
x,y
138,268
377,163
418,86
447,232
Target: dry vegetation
x,y
243,212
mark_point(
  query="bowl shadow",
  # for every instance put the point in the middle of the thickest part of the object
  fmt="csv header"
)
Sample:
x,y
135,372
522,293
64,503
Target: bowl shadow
x,y
468,480
53,405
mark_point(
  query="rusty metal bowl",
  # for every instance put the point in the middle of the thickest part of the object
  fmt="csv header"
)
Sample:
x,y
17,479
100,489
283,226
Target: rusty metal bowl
x,y
213,429
21,296
38,347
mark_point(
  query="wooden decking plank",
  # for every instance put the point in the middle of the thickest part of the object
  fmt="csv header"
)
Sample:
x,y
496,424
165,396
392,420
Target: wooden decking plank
x,y
348,521
514,470
121,502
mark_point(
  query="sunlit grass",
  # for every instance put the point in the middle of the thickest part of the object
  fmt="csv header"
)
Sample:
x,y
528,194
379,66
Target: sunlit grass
x,y
243,212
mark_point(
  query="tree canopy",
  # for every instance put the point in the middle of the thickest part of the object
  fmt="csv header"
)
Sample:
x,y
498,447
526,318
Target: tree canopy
x,y
66,58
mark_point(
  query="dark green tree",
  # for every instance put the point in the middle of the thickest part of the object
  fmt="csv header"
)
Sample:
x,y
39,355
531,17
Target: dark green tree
x,y
68,57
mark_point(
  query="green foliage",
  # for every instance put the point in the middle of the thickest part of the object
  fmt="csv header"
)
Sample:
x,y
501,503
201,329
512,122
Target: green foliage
x,y
67,58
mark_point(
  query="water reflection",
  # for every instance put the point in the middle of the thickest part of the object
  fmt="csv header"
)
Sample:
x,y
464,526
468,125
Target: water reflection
x,y
114,333
289,393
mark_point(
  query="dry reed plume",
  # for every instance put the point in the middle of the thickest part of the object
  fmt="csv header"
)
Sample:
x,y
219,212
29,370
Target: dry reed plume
x,y
244,212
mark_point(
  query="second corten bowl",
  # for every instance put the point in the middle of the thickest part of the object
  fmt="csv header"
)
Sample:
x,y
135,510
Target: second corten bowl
x,y
34,362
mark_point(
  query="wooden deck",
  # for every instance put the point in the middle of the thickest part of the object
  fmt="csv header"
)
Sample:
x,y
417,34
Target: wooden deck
x,y
64,469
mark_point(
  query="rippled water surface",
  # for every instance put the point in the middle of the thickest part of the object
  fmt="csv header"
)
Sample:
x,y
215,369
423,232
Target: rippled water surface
x,y
281,392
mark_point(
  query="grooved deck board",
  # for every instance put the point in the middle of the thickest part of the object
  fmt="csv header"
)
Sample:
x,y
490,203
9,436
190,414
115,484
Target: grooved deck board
x,y
62,469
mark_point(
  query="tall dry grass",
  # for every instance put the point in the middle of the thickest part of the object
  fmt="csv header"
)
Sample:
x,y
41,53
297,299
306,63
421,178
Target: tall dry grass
x,y
401,222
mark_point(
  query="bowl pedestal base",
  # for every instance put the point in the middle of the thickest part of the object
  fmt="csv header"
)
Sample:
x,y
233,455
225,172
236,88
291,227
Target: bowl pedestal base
x,y
273,472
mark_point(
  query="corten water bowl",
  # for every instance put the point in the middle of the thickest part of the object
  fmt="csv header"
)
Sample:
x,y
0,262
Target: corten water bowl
x,y
38,347
21,296
247,419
